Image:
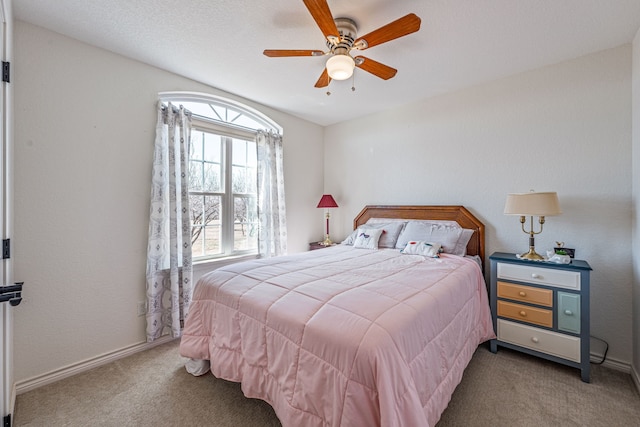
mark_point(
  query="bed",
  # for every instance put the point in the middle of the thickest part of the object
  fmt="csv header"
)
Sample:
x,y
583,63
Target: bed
x,y
349,335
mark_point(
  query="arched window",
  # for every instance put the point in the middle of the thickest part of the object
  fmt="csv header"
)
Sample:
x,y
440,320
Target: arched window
x,y
222,173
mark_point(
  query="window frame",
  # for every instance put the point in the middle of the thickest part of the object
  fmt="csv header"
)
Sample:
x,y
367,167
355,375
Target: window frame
x,y
228,131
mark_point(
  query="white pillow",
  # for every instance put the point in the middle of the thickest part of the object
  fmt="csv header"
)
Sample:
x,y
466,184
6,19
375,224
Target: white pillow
x,y
452,239
463,241
367,238
422,248
350,238
389,236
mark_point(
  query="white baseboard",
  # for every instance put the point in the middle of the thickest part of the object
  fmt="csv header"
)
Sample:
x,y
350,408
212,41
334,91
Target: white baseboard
x,y
85,365
617,365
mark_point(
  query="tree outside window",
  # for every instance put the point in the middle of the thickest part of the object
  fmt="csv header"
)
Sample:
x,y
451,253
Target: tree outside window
x,y
222,182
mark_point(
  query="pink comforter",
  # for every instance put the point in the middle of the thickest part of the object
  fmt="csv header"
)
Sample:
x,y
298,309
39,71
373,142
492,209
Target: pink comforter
x,y
342,336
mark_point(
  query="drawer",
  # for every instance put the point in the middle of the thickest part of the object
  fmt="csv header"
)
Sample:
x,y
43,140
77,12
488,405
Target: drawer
x,y
564,346
525,294
525,313
539,275
569,312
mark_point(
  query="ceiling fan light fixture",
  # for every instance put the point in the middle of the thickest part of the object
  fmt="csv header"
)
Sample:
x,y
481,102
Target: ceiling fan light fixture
x,y
340,67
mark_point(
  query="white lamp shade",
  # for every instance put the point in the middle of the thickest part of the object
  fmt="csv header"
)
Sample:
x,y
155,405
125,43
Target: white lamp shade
x,y
340,67
532,204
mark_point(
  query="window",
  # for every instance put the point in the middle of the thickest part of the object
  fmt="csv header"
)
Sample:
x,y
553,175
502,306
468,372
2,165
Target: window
x,y
222,175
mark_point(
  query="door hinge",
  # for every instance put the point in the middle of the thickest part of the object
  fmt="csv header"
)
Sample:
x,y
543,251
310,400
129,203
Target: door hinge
x,y
7,421
6,248
6,68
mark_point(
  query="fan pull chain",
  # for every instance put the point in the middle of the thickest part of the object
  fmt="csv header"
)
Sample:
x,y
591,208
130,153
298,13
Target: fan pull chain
x,y
353,85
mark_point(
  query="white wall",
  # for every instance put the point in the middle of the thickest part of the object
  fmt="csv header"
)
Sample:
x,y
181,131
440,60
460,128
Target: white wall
x,y
636,207
84,131
564,128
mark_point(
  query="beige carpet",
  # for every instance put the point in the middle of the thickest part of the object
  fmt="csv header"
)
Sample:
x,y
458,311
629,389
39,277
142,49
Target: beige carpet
x,y
153,389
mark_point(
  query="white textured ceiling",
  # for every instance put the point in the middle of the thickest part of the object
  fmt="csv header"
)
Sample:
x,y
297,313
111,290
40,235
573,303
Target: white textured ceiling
x,y
220,43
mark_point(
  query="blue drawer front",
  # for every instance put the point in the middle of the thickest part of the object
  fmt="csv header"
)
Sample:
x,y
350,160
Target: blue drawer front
x,y
569,312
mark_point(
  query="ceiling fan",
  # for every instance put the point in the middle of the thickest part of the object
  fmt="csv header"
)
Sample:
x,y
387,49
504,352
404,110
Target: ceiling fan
x,y
341,35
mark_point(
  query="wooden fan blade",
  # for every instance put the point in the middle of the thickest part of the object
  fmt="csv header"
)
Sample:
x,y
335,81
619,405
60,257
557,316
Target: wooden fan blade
x,y
277,53
376,68
319,9
324,79
400,27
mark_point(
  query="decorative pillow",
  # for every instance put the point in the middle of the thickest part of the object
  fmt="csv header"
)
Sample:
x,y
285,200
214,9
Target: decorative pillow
x,y
453,240
422,248
367,238
391,231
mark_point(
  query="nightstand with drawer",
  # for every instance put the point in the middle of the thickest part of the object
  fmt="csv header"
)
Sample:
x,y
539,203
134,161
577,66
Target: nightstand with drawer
x,y
542,309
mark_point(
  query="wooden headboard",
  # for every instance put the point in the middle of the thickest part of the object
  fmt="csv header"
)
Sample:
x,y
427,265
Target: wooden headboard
x,y
458,214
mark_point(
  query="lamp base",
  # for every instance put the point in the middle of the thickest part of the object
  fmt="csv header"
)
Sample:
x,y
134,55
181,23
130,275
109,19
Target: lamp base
x,y
532,255
327,241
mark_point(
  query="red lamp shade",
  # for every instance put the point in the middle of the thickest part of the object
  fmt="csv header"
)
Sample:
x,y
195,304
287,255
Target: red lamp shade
x,y
327,202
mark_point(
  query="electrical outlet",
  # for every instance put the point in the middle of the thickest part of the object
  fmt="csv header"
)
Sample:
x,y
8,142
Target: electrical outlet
x,y
142,308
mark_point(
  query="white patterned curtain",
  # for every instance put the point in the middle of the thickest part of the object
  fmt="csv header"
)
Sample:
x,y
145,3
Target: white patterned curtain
x,y
272,236
169,268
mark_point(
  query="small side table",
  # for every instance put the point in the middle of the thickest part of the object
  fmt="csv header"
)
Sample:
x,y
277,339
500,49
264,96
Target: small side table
x,y
319,245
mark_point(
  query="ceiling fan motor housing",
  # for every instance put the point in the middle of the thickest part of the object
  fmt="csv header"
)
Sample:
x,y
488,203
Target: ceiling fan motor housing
x,y
348,33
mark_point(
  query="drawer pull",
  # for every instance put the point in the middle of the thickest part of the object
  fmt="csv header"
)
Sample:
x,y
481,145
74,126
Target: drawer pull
x,y
536,276
568,312
523,313
535,340
522,294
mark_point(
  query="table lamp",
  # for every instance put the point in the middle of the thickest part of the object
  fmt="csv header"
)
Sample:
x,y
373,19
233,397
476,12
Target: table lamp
x,y
327,202
532,204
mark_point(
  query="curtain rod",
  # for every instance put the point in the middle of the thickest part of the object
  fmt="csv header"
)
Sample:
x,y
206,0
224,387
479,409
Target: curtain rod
x,y
175,109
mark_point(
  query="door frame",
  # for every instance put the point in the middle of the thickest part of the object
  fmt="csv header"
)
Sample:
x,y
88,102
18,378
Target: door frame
x,y
8,389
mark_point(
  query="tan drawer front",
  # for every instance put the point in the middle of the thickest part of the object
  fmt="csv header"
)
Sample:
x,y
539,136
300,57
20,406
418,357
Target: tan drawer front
x,y
539,275
549,342
525,294
538,316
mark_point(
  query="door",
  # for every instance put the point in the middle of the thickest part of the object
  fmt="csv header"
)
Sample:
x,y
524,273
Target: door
x,y
7,393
